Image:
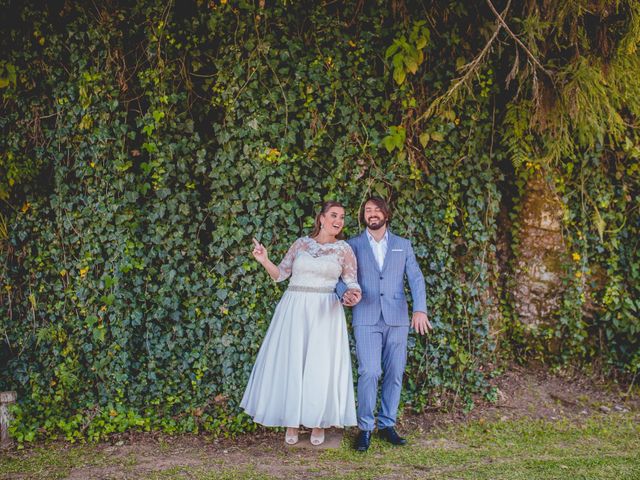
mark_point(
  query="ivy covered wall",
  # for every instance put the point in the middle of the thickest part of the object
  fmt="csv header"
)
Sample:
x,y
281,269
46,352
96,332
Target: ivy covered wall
x,y
145,143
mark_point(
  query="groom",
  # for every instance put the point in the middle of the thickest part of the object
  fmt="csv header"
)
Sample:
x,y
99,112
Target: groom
x,y
381,319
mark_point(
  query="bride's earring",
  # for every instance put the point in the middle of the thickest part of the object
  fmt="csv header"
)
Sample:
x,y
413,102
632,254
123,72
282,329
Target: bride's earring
x,y
321,225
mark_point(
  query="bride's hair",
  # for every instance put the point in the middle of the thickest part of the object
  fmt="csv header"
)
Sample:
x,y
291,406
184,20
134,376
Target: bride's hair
x,y
316,224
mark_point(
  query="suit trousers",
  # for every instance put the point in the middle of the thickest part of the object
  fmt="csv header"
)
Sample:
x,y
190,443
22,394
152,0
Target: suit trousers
x,y
382,351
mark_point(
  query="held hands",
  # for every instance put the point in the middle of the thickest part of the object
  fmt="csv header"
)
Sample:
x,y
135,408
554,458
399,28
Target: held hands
x,y
421,323
259,252
351,297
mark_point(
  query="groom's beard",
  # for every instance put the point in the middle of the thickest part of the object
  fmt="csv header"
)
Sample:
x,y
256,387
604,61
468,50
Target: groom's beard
x,y
376,226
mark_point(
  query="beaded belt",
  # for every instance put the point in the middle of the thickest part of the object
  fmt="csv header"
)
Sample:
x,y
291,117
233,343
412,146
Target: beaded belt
x,y
301,288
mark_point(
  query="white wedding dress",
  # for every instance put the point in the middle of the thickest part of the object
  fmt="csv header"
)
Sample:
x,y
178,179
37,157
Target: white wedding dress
x,y
302,375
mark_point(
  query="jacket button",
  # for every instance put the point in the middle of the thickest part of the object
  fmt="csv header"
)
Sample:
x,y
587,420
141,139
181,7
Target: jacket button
x,y
382,294
380,278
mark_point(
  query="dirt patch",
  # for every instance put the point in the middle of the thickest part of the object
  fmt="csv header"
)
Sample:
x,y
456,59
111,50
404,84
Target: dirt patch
x,y
536,394
439,443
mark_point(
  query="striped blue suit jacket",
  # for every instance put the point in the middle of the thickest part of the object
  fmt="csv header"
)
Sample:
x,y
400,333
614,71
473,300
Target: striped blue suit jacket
x,y
383,290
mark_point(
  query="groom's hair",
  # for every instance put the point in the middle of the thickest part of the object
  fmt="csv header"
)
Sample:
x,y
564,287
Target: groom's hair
x,y
378,202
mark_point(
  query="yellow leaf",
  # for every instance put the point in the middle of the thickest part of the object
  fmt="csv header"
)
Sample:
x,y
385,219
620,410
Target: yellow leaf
x,y
449,115
600,224
424,139
86,122
411,64
399,75
437,136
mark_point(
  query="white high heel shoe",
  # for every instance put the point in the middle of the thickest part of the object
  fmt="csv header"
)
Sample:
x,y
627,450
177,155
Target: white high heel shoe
x,y
317,439
291,439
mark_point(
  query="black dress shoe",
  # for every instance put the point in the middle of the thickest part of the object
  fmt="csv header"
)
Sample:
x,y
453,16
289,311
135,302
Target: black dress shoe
x,y
363,441
390,435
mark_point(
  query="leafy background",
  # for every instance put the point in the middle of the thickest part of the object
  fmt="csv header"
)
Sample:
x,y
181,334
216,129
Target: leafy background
x,y
145,143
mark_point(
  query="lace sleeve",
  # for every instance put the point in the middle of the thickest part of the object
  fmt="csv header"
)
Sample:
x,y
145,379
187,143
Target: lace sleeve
x,y
287,262
349,268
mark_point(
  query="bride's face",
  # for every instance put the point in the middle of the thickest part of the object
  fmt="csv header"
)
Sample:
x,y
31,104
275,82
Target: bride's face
x,y
333,220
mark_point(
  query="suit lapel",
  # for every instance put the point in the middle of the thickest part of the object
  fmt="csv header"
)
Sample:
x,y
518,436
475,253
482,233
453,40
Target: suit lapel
x,y
391,243
367,247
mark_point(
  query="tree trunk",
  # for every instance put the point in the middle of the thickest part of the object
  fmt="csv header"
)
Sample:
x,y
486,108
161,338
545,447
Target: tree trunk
x,y
541,253
6,399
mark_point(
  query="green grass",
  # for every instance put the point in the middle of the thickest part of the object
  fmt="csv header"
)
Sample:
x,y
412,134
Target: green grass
x,y
603,447
242,473
49,462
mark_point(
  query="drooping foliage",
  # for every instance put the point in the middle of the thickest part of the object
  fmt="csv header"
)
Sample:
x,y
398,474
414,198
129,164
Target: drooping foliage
x,y
568,108
144,144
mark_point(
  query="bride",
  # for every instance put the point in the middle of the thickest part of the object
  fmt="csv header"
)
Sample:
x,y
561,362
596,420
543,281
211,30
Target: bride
x,y
302,375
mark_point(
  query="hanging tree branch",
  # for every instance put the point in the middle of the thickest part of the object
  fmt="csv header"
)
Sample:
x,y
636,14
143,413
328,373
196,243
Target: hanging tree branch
x,y
469,69
518,41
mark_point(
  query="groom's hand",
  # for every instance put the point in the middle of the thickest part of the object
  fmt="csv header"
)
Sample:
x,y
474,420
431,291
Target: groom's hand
x,y
351,297
421,323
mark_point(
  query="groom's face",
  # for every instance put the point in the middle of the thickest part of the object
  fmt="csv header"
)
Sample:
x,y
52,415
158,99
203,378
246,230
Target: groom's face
x,y
373,216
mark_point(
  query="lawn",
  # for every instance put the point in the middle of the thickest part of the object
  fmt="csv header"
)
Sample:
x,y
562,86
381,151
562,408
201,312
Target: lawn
x,y
599,447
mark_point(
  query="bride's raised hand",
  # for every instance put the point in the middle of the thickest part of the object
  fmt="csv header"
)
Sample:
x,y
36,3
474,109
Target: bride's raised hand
x,y
259,252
